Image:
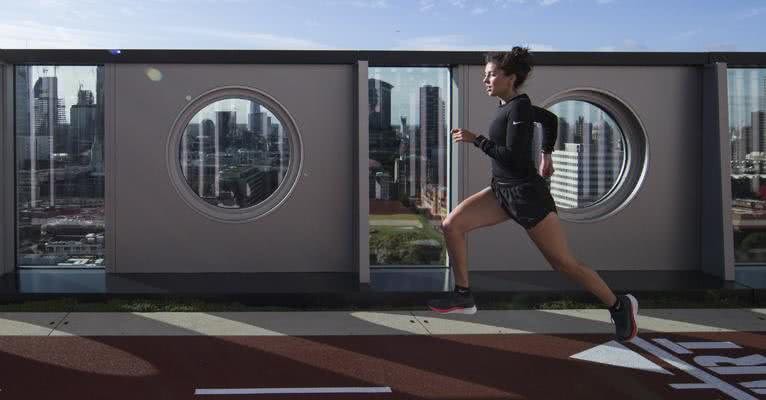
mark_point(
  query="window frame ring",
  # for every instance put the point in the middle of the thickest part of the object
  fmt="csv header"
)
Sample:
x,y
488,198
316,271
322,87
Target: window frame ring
x,y
276,199
635,162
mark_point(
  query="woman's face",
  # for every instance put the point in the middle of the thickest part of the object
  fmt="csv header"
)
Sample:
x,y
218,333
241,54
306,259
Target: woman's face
x,y
496,82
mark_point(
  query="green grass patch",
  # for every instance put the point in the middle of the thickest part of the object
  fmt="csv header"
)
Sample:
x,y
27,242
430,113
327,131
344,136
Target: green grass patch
x,y
124,305
706,299
383,217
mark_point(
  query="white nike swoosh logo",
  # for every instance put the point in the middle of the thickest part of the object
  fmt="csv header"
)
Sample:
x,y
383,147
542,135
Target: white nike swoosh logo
x,y
517,122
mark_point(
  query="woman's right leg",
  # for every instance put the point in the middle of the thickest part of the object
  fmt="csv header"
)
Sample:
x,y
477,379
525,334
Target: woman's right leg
x,y
479,210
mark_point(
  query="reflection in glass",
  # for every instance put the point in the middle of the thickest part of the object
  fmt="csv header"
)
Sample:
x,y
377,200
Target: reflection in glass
x,y
747,130
59,125
588,157
409,114
234,153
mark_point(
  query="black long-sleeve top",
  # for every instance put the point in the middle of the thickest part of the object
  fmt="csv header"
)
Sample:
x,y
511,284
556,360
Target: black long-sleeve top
x,y
510,138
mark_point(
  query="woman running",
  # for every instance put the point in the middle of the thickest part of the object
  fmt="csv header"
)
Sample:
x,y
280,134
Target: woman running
x,y
517,191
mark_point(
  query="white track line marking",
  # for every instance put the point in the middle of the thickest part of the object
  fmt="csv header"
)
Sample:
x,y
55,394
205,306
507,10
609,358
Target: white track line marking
x,y
692,370
709,345
675,348
309,390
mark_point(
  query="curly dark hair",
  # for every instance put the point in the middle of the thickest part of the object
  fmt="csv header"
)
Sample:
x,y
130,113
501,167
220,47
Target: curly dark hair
x,y
518,61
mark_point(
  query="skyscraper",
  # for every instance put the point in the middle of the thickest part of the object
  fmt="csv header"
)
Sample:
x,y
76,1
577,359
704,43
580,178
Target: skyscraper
x,y
226,128
255,125
82,123
380,104
433,141
758,132
49,118
383,140
22,81
587,170
49,108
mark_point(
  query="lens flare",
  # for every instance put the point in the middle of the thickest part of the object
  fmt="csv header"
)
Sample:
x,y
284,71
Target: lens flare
x,y
154,74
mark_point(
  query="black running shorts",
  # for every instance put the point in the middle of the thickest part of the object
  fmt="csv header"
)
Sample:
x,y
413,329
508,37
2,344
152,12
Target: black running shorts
x,y
527,202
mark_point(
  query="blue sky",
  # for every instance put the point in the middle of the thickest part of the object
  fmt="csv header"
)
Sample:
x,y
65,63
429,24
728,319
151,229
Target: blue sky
x,y
562,25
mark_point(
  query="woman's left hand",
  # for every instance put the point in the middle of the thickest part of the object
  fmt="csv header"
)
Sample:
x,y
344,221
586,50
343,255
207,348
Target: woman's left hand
x,y
463,135
546,165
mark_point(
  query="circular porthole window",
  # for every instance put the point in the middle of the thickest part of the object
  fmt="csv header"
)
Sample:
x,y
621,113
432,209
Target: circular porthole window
x,y
600,156
234,154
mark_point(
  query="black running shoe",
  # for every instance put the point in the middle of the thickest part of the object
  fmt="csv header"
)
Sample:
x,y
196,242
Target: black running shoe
x,y
625,318
454,303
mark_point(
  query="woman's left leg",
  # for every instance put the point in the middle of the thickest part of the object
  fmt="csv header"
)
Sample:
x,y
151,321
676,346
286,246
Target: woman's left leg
x,y
549,237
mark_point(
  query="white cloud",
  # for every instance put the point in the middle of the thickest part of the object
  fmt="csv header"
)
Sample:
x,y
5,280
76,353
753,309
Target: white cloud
x,y
478,11
33,35
426,5
458,3
548,2
508,3
236,39
312,23
753,12
127,11
458,43
626,45
540,47
720,47
687,34
367,3
446,42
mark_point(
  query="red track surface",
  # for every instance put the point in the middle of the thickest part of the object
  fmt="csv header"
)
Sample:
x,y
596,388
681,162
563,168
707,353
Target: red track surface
x,y
415,367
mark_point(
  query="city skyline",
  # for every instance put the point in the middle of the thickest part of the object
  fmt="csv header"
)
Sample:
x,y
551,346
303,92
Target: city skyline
x,y
59,168
747,129
747,118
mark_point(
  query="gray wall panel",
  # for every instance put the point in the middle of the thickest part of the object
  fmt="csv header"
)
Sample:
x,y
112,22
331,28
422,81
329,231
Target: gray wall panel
x,y
312,231
659,229
361,173
110,151
7,263
717,252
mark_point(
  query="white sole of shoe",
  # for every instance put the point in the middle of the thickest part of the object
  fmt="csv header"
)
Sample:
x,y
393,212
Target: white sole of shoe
x,y
469,311
633,312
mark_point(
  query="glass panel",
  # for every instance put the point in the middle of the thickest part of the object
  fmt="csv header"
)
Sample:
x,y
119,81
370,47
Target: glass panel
x,y
747,129
59,166
589,154
409,122
234,153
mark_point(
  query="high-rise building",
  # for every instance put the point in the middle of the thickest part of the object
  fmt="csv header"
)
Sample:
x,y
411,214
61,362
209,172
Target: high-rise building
x,y
433,162
226,128
380,104
583,175
383,140
83,122
49,108
758,132
22,85
747,138
255,125
408,153
49,122
97,152
563,134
